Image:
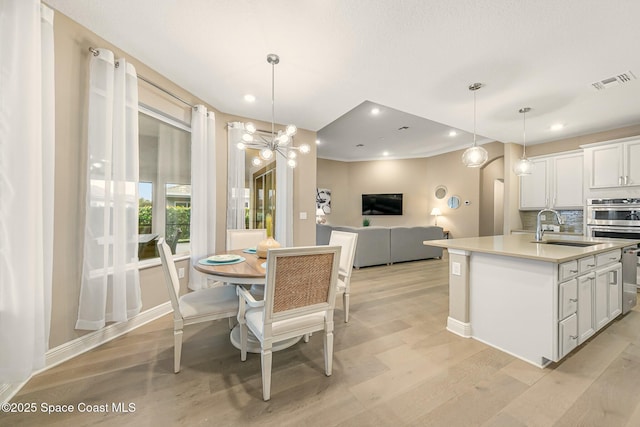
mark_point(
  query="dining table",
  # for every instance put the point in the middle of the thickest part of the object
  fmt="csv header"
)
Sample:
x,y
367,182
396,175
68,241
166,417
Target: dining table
x,y
249,272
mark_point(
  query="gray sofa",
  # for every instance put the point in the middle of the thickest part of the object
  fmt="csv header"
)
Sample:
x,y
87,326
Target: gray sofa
x,y
387,245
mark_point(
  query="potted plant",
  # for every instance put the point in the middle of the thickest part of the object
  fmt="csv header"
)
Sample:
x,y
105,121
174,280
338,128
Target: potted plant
x,y
366,222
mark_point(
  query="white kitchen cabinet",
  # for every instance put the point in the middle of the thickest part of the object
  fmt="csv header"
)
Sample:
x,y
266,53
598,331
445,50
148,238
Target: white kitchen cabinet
x,y
608,285
568,298
556,182
590,287
615,290
534,188
586,324
567,181
568,333
614,163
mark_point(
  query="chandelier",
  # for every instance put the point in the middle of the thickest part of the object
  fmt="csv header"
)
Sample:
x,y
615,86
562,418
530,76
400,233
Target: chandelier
x,y
524,166
276,142
474,156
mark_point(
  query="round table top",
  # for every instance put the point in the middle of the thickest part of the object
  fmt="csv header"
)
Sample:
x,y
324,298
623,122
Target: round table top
x,y
250,270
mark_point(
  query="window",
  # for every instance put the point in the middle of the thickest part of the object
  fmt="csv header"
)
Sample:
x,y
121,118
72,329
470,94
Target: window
x,y
165,183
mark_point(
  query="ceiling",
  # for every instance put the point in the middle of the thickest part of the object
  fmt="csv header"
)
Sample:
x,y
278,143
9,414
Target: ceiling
x,y
414,59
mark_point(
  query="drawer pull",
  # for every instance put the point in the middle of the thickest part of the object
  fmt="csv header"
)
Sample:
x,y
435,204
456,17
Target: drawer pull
x,y
613,259
573,337
573,299
573,271
591,265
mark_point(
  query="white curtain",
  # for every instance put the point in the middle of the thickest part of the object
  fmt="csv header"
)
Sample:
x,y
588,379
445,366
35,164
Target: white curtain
x,y
27,147
203,192
235,177
284,203
110,280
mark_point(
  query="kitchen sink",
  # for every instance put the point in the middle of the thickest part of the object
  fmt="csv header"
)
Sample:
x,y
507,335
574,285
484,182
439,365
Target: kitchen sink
x,y
567,243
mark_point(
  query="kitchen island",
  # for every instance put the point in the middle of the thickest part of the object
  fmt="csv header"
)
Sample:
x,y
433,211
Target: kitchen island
x,y
535,301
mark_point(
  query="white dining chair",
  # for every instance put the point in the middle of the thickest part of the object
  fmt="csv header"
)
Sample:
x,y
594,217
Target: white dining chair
x,y
245,238
348,242
299,299
194,307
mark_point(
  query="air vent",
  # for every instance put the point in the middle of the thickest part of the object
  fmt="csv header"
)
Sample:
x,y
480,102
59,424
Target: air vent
x,y
614,81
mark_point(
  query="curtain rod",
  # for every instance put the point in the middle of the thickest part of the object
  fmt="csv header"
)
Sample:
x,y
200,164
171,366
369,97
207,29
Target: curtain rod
x,y
96,52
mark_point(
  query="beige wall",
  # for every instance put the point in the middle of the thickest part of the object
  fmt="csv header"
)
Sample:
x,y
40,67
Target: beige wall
x,y
71,67
512,221
417,180
447,169
491,172
334,175
574,143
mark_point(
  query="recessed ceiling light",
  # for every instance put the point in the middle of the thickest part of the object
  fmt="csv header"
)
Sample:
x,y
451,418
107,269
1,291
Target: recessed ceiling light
x,y
249,98
375,111
557,126
317,142
385,153
453,133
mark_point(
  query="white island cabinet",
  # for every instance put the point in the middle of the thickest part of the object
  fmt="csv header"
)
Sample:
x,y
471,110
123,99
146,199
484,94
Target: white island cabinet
x,y
535,301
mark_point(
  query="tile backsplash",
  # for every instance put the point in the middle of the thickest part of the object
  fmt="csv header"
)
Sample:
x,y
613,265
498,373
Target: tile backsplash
x,y
573,220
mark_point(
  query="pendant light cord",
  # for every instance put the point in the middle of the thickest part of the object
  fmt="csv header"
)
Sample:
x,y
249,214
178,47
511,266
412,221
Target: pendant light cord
x,y
474,118
524,135
273,100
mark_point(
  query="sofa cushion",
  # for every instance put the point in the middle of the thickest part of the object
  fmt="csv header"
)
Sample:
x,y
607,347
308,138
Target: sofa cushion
x,y
406,243
323,233
373,245
385,245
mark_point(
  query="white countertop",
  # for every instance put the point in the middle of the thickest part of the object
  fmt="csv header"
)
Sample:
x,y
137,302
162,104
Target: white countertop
x,y
522,246
546,233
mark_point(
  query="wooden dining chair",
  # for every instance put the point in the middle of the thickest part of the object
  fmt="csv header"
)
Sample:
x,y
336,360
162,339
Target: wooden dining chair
x,y
348,242
299,299
245,238
194,307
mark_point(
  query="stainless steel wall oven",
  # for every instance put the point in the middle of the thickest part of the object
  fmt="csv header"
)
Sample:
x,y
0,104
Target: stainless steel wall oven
x,y
613,218
618,219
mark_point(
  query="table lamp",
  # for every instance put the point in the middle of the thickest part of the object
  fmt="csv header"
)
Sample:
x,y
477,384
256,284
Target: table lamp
x,y
436,212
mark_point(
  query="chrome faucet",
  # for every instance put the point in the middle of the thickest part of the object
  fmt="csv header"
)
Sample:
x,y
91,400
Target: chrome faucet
x,y
539,230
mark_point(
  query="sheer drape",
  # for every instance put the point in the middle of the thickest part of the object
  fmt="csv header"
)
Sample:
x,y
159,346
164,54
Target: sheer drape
x,y
203,191
235,177
27,148
110,281
284,203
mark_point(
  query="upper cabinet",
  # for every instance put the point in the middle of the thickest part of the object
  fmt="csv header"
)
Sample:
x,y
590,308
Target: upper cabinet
x,y
556,182
534,188
615,164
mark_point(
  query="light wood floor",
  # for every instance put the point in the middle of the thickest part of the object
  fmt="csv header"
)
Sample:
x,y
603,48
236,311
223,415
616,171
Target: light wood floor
x,y
394,365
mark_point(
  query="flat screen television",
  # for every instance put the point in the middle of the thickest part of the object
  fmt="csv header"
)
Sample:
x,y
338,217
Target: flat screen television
x,y
382,204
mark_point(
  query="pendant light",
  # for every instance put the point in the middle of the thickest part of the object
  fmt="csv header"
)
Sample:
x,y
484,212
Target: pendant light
x,y
523,166
276,142
474,156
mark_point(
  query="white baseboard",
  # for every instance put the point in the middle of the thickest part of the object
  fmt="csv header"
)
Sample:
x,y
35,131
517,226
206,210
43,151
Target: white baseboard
x,y
459,328
78,346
